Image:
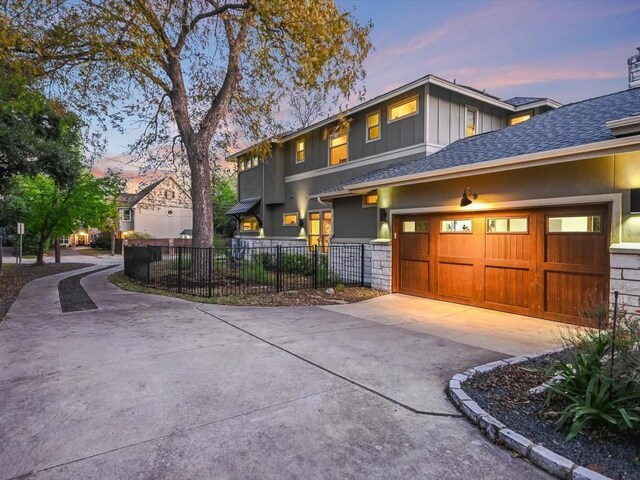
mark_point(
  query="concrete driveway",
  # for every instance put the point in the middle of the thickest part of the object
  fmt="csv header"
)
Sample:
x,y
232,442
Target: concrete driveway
x,y
154,387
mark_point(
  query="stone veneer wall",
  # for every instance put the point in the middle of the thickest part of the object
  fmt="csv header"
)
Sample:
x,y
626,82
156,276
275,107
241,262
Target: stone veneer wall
x,y
625,277
381,266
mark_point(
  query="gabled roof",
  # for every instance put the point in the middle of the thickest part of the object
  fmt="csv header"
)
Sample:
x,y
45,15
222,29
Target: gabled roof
x,y
573,125
131,199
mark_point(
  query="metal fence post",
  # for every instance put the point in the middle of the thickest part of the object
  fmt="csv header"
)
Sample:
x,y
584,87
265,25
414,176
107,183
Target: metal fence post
x,y
148,264
315,266
179,269
210,267
362,264
278,268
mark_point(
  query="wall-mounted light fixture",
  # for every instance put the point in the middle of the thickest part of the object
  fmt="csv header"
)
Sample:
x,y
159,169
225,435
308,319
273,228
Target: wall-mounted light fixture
x,y
301,222
635,200
384,214
465,201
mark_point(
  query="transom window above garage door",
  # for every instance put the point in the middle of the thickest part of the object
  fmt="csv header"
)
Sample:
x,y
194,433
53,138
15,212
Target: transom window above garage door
x,y
575,224
415,226
508,225
456,226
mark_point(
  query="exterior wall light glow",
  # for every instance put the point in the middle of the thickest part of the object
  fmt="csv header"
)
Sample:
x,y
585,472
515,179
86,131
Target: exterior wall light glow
x,y
384,214
466,201
635,200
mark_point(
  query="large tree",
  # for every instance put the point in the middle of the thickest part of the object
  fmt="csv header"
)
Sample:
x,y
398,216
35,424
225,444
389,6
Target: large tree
x,y
36,134
49,210
192,71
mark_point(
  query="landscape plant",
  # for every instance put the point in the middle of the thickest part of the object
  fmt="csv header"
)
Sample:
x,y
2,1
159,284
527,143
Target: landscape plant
x,y
599,379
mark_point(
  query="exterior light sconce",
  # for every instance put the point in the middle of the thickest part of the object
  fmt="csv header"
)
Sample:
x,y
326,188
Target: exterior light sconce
x,y
465,201
301,222
635,201
384,214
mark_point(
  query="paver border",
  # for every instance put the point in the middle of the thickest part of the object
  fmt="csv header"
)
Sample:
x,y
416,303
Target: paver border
x,y
500,434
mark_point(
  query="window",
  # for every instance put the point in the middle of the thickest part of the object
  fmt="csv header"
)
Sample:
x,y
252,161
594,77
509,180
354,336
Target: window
x,y
170,194
370,199
580,224
471,122
290,220
373,126
415,226
456,226
508,225
249,224
254,162
516,119
125,215
403,109
338,147
241,165
300,151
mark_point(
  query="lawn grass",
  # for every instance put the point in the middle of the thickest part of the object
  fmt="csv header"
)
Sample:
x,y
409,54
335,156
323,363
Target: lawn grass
x,y
94,252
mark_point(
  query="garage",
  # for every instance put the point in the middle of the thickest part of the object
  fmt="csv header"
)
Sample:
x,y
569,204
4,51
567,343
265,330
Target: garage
x,y
551,263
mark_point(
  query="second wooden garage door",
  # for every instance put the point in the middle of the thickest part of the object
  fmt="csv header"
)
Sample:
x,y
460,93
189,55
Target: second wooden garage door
x,y
548,263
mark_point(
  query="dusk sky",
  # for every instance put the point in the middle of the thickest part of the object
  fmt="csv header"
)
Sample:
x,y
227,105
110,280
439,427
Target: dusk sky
x,y
566,50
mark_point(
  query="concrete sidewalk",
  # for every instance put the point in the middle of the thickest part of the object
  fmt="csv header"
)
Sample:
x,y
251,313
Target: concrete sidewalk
x,y
156,387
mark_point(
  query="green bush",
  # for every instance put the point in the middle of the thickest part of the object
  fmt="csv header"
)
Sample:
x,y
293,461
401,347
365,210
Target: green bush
x,y
103,242
254,272
297,263
265,259
600,391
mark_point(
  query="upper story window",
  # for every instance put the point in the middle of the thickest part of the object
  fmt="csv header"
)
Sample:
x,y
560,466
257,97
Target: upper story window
x,y
241,165
516,119
254,161
470,121
338,148
373,126
403,109
170,194
300,151
125,215
248,163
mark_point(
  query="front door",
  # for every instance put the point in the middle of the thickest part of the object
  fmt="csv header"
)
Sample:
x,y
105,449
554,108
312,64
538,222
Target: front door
x,y
320,229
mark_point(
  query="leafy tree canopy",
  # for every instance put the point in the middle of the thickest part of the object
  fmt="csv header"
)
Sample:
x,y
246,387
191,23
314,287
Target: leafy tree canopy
x,y
36,134
49,210
193,71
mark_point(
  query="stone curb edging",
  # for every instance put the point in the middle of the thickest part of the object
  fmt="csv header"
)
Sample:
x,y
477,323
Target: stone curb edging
x,y
498,432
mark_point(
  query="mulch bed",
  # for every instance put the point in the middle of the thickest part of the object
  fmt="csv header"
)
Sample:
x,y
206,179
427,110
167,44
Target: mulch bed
x,y
74,298
17,276
504,394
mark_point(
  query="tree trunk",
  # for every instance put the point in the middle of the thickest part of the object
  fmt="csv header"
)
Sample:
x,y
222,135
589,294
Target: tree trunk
x,y
113,241
198,154
56,246
40,255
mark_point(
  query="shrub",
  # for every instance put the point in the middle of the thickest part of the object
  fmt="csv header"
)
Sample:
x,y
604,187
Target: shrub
x,y
340,287
297,263
254,272
600,390
265,259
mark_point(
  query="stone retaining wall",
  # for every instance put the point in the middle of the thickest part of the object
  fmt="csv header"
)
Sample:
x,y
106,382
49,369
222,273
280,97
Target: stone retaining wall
x,y
381,266
625,278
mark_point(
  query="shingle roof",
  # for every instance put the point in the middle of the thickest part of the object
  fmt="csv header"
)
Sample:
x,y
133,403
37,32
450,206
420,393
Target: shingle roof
x,y
243,206
130,199
568,126
519,101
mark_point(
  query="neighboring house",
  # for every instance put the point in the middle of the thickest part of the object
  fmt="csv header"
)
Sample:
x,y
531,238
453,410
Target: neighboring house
x,y
554,227
162,209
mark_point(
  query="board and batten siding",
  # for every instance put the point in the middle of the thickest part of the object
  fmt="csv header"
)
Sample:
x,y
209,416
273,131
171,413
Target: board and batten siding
x,y
447,116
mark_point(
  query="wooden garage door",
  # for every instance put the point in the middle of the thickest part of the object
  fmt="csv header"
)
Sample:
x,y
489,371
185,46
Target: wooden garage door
x,y
549,263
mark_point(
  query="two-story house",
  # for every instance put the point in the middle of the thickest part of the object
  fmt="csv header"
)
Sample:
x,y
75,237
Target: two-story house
x,y
162,209
277,202
523,205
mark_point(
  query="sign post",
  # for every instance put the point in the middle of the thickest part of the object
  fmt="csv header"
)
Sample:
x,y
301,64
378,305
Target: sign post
x,y
21,233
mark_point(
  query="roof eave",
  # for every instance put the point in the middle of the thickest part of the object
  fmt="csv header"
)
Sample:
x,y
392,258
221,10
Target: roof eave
x,y
580,152
547,102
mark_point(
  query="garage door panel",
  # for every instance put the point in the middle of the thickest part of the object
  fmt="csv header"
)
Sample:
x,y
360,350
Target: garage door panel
x,y
508,286
508,247
455,280
571,294
414,277
415,245
577,249
457,245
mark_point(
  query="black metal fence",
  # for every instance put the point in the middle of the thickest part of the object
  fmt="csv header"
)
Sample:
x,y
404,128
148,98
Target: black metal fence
x,y
213,272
